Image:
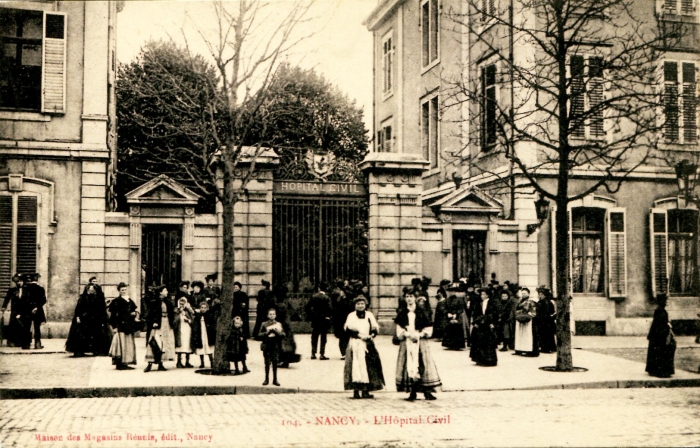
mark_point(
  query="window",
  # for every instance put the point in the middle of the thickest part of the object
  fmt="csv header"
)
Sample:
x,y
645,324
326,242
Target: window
x,y
385,137
679,102
488,10
387,64
429,31
587,275
674,251
587,95
488,107
683,7
430,131
18,235
32,60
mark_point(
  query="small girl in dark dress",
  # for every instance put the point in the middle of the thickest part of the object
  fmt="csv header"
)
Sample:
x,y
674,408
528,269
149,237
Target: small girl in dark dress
x,y
204,333
271,335
237,347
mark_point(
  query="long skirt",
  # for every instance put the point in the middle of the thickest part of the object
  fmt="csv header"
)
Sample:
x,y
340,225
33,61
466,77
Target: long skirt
x,y
546,331
484,342
525,340
123,348
660,358
429,378
206,349
86,337
453,338
165,336
375,374
185,338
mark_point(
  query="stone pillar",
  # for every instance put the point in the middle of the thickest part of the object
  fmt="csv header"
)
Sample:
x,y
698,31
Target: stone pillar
x,y
253,226
527,244
395,255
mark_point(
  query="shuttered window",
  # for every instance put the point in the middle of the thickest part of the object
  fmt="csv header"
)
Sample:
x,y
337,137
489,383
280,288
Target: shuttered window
x,y
587,96
488,107
388,63
429,31
385,137
32,60
488,10
679,101
430,130
682,251
18,236
684,7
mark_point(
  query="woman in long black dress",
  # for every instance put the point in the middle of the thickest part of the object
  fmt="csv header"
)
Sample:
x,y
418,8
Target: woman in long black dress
x,y
662,344
89,330
546,321
484,341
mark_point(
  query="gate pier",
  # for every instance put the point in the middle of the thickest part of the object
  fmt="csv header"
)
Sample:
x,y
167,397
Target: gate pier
x,y
395,256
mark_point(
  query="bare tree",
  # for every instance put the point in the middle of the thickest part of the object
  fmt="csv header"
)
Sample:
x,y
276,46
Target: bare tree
x,y
563,86
207,111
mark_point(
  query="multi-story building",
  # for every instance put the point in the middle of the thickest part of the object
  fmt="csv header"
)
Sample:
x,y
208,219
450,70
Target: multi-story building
x,y
57,142
627,244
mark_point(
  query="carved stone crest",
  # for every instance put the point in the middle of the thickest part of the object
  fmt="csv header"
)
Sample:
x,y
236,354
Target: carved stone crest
x,y
321,165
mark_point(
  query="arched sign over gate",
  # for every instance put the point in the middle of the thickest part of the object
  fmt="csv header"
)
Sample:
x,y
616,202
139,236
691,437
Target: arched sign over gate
x,y
320,221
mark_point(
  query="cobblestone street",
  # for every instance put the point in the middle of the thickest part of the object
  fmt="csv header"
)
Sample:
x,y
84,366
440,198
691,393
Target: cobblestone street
x,y
605,417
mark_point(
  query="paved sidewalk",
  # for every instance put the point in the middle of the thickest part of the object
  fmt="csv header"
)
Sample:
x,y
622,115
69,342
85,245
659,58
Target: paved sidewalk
x,y
24,372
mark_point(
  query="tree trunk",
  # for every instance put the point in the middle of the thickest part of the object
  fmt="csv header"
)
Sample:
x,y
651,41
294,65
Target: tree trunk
x,y
223,328
564,359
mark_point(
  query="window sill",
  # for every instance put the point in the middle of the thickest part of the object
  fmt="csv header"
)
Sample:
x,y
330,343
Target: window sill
x,y
430,66
23,116
431,172
387,95
680,146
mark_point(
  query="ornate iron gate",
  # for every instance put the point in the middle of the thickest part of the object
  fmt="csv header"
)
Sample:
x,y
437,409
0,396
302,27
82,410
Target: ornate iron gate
x,y
318,239
161,255
469,255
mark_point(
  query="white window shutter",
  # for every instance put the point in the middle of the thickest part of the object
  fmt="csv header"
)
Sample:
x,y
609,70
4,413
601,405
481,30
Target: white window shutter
x,y
658,232
53,82
616,221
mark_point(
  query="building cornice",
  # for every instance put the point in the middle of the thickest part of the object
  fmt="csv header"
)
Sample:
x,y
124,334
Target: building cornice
x,y
53,150
380,12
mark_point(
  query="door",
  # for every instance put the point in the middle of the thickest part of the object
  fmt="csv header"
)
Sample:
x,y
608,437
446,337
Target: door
x,y
468,255
161,256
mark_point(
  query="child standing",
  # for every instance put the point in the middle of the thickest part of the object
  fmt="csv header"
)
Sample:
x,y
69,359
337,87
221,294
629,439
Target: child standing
x,y
237,345
184,315
271,334
204,334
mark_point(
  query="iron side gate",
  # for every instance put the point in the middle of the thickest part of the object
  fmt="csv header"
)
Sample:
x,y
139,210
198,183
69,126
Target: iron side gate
x,y
469,254
318,239
161,255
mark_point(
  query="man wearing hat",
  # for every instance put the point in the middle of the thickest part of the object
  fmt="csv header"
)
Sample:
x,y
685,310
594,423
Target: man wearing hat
x,y
36,299
17,300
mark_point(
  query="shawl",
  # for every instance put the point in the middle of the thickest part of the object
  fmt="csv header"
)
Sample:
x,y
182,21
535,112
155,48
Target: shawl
x,y
364,328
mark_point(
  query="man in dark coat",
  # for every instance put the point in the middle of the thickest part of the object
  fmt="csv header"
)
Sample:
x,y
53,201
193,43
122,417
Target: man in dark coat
x,y
318,311
16,334
241,304
266,300
36,298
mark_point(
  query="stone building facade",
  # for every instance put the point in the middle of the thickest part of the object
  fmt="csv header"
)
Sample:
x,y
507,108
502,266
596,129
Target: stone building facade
x,y
628,245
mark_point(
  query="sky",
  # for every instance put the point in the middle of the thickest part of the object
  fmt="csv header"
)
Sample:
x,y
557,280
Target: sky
x,y
340,49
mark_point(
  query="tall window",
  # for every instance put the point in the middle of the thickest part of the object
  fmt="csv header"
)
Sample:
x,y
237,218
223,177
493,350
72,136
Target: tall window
x,y
682,250
488,10
32,60
387,63
18,235
684,7
587,230
679,102
430,130
587,95
430,31
385,137
488,107
20,58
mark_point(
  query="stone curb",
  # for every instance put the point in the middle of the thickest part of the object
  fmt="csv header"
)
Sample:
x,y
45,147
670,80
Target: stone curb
x,y
178,391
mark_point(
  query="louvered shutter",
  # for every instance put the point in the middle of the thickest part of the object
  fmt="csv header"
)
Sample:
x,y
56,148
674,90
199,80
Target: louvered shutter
x,y
595,96
577,101
687,6
27,211
5,242
553,233
670,6
690,131
658,230
53,85
617,252
670,101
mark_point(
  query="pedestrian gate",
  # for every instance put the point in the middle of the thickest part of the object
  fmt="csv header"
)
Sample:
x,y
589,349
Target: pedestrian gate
x,y
161,256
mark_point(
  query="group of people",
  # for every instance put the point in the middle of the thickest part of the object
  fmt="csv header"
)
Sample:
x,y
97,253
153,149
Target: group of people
x,y
482,318
26,299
